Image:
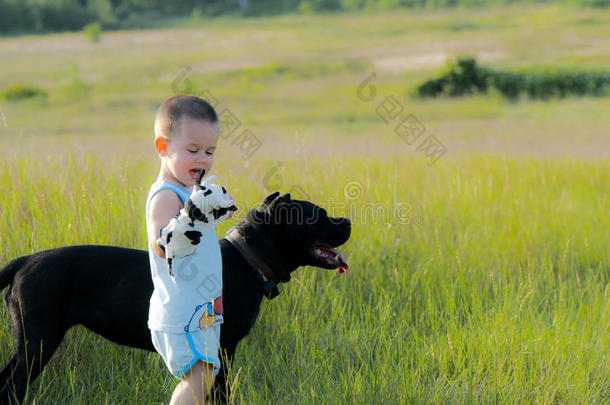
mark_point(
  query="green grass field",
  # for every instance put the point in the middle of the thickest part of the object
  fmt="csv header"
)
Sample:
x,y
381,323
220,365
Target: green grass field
x,y
482,278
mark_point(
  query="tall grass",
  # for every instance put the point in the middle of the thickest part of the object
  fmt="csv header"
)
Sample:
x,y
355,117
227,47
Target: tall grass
x,y
496,290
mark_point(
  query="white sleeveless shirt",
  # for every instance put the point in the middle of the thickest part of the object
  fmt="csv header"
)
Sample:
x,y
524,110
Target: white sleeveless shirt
x,y
191,299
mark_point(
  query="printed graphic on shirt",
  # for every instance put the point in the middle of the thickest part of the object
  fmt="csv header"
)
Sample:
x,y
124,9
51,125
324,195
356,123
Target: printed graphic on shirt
x,y
206,315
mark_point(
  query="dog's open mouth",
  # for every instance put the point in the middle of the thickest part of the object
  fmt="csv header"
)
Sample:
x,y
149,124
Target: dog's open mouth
x,y
331,257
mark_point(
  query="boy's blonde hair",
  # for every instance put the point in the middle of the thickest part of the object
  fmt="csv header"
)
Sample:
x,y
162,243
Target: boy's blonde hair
x,y
183,105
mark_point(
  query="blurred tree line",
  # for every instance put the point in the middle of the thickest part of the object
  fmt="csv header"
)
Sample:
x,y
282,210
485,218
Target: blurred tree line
x,y
18,16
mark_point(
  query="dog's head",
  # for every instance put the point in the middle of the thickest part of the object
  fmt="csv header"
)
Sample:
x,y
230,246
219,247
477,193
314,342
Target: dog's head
x,y
301,233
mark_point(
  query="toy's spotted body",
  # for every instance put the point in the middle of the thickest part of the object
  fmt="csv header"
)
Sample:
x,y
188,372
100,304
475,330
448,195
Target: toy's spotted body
x,y
206,207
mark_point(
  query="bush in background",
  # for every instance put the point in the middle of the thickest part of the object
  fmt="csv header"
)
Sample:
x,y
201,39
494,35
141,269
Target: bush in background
x,y
93,31
466,77
18,92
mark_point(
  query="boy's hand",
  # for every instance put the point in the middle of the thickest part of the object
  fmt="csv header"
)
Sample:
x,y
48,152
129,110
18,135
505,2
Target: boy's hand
x,y
210,203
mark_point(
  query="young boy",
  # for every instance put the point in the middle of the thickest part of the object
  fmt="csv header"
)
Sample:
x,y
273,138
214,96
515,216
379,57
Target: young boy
x,y
186,305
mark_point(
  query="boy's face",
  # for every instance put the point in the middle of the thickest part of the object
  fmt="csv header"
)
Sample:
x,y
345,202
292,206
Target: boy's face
x,y
189,150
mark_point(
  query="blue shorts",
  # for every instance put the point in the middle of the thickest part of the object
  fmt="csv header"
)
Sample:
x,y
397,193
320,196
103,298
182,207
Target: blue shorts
x,y
181,350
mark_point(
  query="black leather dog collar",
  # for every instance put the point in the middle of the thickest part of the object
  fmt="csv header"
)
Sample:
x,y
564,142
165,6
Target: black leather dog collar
x,y
262,270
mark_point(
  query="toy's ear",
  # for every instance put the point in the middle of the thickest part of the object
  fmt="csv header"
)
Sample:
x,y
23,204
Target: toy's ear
x,y
269,198
161,146
200,176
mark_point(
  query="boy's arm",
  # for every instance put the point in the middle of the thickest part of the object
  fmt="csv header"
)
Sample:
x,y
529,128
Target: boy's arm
x,y
163,207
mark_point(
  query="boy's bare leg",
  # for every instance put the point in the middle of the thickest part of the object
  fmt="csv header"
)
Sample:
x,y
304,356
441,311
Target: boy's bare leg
x,y
195,385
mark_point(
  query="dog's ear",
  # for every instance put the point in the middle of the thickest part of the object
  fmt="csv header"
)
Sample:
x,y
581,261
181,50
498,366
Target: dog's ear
x,y
261,215
258,216
269,198
277,201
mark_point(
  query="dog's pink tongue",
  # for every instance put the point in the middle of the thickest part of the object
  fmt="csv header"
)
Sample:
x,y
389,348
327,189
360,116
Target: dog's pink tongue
x,y
343,267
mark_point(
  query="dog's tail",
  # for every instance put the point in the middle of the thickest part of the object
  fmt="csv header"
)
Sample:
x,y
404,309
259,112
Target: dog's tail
x,y
8,272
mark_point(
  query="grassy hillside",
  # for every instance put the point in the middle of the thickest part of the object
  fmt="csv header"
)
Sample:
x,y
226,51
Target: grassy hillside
x,y
480,278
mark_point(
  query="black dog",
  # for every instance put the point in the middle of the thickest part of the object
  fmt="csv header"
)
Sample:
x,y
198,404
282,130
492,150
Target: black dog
x,y
107,289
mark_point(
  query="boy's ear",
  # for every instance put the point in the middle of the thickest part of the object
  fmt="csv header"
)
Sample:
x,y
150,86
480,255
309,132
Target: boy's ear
x,y
161,146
